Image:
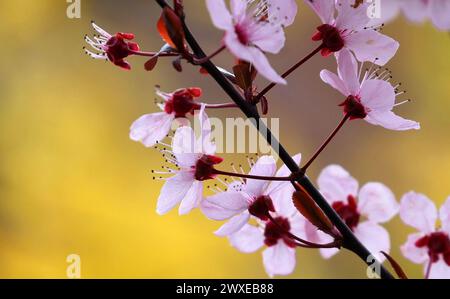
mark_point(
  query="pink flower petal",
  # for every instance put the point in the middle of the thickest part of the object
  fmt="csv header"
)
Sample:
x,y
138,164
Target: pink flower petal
x,y
328,253
262,65
239,9
274,186
192,198
249,239
439,270
283,11
349,17
415,10
391,121
334,81
253,55
297,222
370,45
233,225
377,95
184,147
151,128
374,237
219,13
205,145
389,10
269,38
324,9
377,202
444,215
336,184
279,259
265,166
173,191
440,14
282,201
418,211
224,205
348,71
412,252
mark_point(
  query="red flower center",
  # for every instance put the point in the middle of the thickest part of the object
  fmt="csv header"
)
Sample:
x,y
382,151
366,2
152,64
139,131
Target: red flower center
x,y
277,231
241,34
119,47
348,211
261,207
182,102
353,107
330,37
438,243
204,168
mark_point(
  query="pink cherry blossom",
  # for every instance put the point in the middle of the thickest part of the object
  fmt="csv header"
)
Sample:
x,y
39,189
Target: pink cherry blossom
x,y
279,256
431,245
371,98
254,197
250,30
349,29
152,128
194,159
114,48
362,210
438,11
417,11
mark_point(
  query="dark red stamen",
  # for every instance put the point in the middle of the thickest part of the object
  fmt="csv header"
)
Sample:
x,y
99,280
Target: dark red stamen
x,y
241,34
353,107
182,102
438,244
277,231
330,37
119,47
261,207
348,211
204,169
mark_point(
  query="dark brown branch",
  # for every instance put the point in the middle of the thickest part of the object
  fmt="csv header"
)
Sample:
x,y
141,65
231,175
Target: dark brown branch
x,y
350,241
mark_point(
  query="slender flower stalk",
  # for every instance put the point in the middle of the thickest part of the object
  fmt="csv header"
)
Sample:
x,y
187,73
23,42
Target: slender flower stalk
x,y
326,142
428,271
255,177
211,56
288,72
221,106
152,54
304,243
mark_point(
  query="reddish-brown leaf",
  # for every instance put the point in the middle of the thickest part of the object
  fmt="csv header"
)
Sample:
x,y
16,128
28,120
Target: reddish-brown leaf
x,y
244,75
151,63
177,65
396,266
306,205
170,29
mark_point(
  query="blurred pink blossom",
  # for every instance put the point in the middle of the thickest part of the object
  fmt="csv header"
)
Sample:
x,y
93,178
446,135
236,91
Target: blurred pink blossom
x,y
363,210
431,245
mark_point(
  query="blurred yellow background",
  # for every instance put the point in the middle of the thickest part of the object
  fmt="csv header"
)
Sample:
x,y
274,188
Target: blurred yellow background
x,y
72,182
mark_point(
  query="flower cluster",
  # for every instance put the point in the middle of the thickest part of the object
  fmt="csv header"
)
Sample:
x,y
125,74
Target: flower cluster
x,y
266,207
